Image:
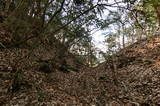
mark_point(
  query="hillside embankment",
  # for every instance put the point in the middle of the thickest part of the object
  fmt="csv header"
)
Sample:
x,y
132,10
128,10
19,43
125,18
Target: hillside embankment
x,y
131,78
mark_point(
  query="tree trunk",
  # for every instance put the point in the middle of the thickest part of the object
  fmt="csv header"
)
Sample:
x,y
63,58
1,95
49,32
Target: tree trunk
x,y
157,8
123,40
8,2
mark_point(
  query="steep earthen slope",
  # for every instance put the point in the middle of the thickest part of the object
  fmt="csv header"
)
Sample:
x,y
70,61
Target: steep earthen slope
x,y
136,73
133,77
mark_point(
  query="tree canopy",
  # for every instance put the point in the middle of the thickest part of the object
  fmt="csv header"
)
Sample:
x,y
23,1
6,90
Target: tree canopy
x,y
33,23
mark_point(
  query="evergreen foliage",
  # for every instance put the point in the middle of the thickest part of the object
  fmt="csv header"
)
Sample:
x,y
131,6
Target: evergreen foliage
x,y
33,23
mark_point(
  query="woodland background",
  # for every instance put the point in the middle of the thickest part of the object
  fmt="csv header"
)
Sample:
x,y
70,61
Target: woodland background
x,y
48,55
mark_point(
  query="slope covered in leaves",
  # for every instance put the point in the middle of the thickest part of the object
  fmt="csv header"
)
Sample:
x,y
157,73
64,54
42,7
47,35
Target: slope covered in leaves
x,y
136,73
132,77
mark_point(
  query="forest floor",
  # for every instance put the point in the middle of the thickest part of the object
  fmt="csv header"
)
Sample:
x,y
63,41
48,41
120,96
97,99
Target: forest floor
x,y
132,78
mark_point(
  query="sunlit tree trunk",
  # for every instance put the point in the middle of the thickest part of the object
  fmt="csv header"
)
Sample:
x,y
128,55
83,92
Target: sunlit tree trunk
x,y
156,6
123,36
123,40
158,13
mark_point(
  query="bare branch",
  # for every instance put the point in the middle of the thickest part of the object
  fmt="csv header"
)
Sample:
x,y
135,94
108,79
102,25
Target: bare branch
x,y
63,26
58,11
44,11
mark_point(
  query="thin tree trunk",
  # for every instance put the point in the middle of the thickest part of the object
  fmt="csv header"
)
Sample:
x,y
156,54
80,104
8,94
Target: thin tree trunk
x,y
8,2
123,40
158,13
